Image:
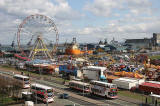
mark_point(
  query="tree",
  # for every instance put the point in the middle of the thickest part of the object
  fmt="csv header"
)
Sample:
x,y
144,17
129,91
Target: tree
x,y
10,87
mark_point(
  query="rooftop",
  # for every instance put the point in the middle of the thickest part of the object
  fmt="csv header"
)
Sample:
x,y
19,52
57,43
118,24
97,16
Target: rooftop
x,y
41,86
22,76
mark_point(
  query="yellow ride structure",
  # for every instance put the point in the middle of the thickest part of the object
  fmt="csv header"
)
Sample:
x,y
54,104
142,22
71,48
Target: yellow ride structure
x,y
39,48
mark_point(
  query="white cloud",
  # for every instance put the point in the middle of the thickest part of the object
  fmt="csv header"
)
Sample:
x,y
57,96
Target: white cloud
x,y
135,18
102,7
144,27
46,7
12,13
107,7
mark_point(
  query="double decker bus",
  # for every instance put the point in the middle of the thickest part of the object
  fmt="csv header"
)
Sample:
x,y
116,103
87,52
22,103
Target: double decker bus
x,y
23,79
103,89
42,92
79,86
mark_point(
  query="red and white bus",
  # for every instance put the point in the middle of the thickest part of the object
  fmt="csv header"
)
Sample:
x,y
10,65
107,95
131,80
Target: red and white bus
x,y
24,79
108,90
79,85
42,92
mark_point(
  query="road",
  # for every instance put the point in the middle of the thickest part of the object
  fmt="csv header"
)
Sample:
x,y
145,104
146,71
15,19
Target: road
x,y
77,97
97,99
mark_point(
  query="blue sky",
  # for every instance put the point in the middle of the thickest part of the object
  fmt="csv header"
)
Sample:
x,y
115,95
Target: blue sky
x,y
87,20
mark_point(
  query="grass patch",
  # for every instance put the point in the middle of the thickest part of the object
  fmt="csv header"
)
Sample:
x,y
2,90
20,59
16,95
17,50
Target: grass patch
x,y
136,96
6,66
6,100
130,94
155,57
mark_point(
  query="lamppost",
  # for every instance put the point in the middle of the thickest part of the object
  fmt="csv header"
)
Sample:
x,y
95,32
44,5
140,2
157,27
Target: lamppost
x,y
47,103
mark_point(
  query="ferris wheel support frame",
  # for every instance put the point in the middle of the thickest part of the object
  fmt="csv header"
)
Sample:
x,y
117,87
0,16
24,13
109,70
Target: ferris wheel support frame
x,y
35,49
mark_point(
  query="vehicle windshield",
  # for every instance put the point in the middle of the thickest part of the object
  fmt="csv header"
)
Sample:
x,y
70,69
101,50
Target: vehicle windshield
x,y
26,82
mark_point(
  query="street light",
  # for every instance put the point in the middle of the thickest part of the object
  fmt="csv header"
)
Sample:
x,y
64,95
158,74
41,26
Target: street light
x,y
36,93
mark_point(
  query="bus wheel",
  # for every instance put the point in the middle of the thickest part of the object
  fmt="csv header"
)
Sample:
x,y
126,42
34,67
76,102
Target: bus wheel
x,y
106,97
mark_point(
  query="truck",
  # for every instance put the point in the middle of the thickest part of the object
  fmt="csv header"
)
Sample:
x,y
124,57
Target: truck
x,y
94,73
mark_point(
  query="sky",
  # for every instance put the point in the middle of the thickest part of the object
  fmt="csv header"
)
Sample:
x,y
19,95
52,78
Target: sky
x,y
88,20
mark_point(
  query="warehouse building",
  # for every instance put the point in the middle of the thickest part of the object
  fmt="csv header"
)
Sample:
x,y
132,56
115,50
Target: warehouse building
x,y
146,42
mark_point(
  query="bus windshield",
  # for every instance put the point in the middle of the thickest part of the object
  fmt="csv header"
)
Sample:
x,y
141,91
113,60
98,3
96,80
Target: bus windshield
x,y
26,79
112,93
26,82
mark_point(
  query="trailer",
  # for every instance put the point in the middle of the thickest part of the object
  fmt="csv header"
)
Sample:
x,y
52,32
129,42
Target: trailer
x,y
150,86
68,70
94,73
127,83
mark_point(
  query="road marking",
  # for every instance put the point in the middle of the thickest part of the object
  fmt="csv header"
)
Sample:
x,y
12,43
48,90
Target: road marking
x,y
66,100
115,102
74,103
124,102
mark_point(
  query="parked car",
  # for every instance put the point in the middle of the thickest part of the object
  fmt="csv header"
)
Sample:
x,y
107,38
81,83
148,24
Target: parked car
x,y
64,96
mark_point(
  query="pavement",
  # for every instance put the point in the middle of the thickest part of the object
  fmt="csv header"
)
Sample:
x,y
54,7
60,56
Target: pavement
x,y
57,102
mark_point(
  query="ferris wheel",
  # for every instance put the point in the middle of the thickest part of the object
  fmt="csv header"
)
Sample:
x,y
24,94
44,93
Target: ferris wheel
x,y
37,37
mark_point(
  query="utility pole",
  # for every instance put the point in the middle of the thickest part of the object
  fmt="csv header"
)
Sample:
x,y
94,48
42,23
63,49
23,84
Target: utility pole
x,y
47,103
83,84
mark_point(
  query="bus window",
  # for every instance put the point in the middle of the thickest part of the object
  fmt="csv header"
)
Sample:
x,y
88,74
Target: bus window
x,y
49,90
39,95
87,87
81,86
113,86
26,79
33,87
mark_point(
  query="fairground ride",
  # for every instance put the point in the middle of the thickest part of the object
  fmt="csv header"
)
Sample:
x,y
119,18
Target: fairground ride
x,y
37,37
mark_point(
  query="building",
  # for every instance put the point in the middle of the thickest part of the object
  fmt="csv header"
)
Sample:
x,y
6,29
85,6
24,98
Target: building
x,y
156,39
146,42
113,46
139,43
